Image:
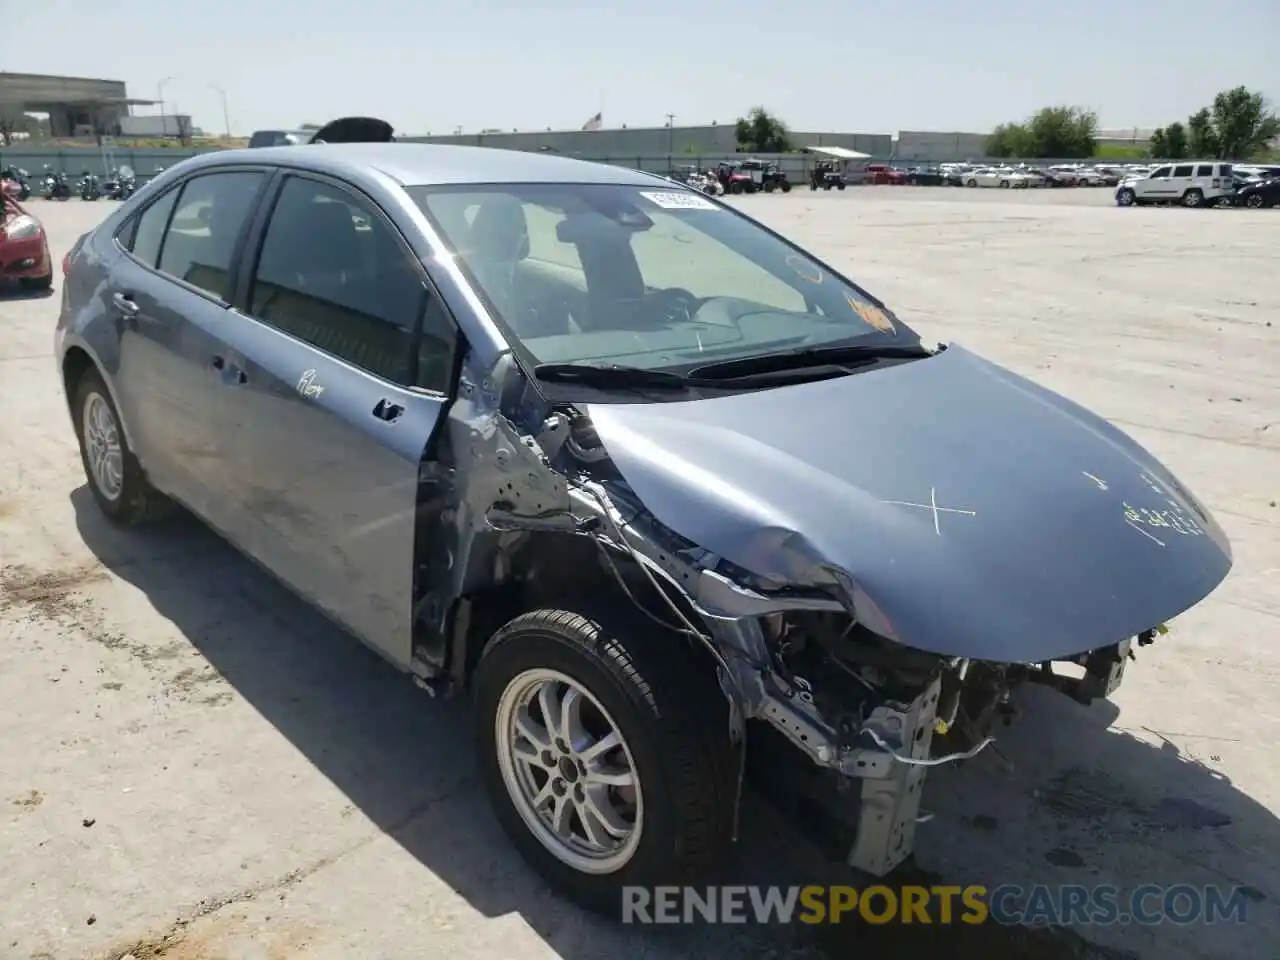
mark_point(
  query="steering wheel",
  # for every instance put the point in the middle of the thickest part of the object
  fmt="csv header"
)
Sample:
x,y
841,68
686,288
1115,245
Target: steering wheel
x,y
676,303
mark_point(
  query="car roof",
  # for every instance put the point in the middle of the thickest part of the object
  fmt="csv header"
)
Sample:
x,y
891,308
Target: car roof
x,y
421,164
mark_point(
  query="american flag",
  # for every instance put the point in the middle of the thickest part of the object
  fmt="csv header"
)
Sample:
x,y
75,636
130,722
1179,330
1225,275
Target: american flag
x,y
595,123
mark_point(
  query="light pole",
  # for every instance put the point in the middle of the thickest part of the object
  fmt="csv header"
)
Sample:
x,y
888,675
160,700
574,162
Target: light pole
x,y
226,116
671,133
160,96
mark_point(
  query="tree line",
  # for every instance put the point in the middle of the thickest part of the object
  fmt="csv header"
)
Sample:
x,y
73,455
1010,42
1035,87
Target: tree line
x,y
1238,125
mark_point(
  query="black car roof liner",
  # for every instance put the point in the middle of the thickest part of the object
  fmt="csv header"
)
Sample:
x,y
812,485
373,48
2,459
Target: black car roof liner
x,y
354,130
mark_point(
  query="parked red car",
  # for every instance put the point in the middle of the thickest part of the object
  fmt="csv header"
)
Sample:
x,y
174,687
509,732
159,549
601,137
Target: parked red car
x,y
883,173
24,248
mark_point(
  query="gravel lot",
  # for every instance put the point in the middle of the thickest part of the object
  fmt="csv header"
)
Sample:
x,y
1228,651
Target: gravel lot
x,y
194,765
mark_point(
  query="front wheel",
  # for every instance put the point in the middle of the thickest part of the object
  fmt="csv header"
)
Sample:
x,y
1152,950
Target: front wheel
x,y
972,183
1126,198
1254,201
602,754
786,186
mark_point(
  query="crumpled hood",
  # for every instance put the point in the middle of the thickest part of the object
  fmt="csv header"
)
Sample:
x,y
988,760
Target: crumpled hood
x,y
969,511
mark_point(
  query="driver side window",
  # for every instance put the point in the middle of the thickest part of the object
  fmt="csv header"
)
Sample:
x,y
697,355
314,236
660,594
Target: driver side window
x,y
1162,172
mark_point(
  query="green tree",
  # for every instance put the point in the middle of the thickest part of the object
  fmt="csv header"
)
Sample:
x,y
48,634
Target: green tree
x,y
761,132
1203,139
1010,140
1159,143
1242,124
1054,132
1175,136
1066,132
1169,143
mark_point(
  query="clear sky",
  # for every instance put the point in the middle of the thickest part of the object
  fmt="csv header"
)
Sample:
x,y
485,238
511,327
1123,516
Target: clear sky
x,y
873,66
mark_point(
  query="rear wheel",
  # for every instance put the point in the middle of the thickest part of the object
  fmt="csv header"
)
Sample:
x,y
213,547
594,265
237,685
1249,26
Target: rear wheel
x,y
1192,198
601,753
972,183
786,186
114,474
1255,201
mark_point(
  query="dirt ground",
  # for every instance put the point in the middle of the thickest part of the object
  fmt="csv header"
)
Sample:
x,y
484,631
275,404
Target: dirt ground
x,y
195,766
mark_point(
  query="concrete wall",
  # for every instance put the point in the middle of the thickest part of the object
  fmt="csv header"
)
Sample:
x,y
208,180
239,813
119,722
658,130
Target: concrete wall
x,y
654,141
927,146
77,161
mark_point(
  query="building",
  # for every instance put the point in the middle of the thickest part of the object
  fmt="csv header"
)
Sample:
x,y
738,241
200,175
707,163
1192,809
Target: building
x,y
652,143
76,106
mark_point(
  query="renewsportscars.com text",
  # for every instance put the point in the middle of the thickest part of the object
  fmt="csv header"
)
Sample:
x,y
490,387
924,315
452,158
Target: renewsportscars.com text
x,y
1059,905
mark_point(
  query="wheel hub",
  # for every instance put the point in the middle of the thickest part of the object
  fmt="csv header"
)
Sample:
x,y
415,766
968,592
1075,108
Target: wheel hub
x,y
569,771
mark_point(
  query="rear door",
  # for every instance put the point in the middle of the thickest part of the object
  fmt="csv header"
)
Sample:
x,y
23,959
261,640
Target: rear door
x,y
347,356
170,294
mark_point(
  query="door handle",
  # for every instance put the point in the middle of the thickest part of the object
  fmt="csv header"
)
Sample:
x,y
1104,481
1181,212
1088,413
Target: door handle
x,y
231,372
125,304
388,411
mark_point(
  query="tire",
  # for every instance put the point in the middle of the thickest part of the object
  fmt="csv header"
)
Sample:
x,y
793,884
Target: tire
x,y
135,501
1126,198
656,696
1192,198
1254,201
813,187
971,183
1004,183
840,186
786,186
770,187
735,188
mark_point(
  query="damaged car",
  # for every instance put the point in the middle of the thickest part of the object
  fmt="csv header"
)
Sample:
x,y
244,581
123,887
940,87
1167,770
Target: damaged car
x,y
672,499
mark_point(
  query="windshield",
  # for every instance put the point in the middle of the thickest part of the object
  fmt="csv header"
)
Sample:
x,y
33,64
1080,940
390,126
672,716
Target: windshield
x,y
643,276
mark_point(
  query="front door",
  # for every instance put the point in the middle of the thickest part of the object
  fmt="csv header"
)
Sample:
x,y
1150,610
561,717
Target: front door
x,y
346,358
170,294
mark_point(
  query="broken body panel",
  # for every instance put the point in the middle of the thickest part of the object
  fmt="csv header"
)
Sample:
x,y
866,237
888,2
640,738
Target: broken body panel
x,y
976,519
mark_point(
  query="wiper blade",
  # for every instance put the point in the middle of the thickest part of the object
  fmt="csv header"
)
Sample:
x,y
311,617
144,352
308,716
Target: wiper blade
x,y
856,354
610,375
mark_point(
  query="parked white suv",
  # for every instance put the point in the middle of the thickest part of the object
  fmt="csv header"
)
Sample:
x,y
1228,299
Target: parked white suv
x,y
1195,184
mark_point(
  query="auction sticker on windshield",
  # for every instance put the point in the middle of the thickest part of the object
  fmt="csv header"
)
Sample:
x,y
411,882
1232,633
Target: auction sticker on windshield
x,y
679,200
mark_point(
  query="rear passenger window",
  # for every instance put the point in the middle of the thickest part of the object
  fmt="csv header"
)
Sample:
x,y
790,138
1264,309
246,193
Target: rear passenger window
x,y
1204,170
148,230
333,274
206,223
1184,171
1160,172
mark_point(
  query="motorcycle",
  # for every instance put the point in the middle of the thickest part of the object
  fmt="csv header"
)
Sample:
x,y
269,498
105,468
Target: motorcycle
x,y
90,186
17,183
120,185
55,185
